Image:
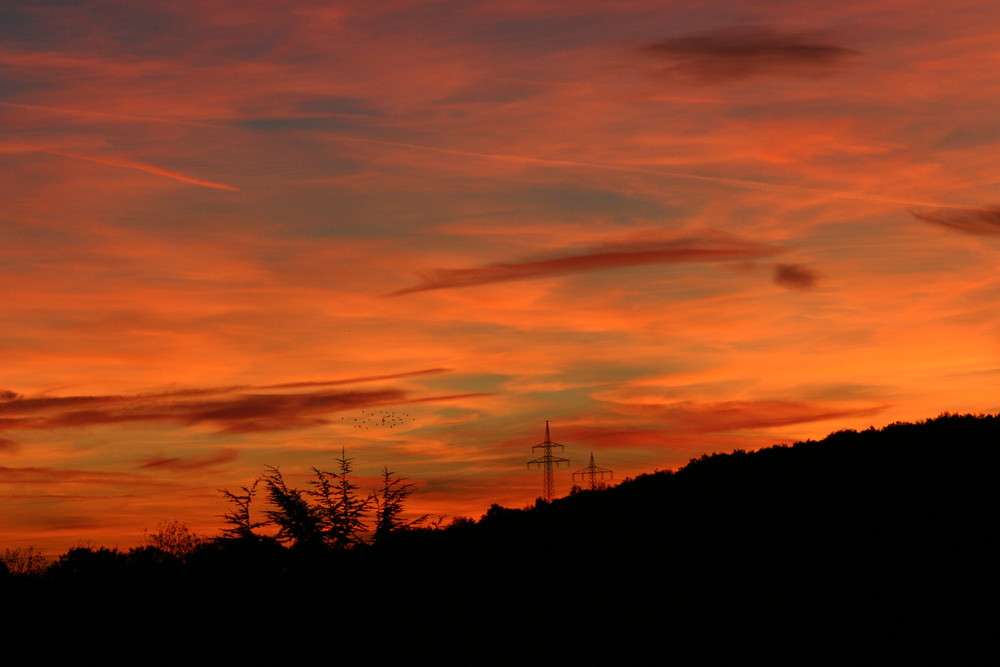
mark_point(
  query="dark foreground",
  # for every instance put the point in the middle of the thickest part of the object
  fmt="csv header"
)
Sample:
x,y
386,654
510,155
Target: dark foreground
x,y
864,548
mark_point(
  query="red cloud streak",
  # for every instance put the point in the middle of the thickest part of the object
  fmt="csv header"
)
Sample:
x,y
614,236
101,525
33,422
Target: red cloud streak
x,y
983,222
710,248
738,415
182,464
227,408
148,168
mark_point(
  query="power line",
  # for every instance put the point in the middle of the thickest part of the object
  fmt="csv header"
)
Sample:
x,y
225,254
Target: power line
x,y
595,474
547,462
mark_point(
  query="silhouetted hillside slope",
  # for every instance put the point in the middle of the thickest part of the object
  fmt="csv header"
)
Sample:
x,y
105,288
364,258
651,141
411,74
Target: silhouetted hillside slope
x,y
870,547
867,545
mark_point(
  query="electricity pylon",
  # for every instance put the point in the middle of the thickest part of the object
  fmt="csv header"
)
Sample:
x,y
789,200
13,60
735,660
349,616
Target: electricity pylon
x,y
547,462
595,474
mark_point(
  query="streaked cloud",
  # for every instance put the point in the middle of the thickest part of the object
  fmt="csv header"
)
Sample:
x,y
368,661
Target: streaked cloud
x,y
148,168
51,475
185,463
612,255
354,380
982,222
754,414
230,409
731,54
103,115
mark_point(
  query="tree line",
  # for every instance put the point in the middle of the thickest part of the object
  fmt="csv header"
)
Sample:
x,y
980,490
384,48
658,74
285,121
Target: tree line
x,y
331,513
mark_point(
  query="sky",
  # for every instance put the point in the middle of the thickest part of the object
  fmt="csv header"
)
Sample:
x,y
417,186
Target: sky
x,y
259,233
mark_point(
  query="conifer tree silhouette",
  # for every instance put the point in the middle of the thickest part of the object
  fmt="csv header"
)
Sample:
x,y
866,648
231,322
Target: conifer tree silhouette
x,y
389,503
298,522
240,524
341,510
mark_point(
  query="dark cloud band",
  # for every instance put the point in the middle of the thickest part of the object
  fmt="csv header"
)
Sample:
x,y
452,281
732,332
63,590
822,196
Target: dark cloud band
x,y
709,248
231,410
982,222
746,52
183,464
740,415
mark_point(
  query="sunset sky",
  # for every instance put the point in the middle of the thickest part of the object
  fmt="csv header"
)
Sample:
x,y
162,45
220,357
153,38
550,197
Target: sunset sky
x,y
239,234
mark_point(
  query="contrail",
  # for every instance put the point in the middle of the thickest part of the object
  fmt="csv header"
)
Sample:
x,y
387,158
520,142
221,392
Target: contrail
x,y
104,114
148,168
734,182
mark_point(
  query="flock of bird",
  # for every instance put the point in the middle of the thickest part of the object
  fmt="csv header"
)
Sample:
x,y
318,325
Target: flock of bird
x,y
370,418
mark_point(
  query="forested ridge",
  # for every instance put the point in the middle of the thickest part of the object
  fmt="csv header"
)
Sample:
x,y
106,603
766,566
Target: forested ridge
x,y
870,547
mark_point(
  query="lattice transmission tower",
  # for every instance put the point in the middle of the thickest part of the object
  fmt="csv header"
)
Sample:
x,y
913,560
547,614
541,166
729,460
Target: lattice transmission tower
x,y
547,462
595,474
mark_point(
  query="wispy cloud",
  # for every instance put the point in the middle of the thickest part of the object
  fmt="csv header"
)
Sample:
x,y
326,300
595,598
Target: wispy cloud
x,y
238,413
739,415
186,463
103,115
355,380
982,222
707,248
795,276
730,54
148,168
41,403
742,183
48,475
230,409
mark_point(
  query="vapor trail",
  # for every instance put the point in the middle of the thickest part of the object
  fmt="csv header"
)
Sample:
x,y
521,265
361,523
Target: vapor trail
x,y
104,114
734,182
148,168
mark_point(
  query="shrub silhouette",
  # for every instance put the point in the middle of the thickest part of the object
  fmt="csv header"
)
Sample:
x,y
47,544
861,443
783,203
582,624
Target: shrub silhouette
x,y
24,561
172,537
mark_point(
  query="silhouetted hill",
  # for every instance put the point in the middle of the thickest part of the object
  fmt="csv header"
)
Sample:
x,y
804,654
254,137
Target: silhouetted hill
x,y
866,546
870,547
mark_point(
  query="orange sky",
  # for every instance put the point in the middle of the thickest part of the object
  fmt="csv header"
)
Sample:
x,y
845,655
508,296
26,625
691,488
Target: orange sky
x,y
234,232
